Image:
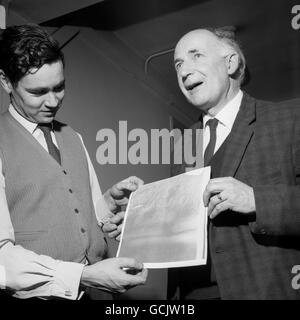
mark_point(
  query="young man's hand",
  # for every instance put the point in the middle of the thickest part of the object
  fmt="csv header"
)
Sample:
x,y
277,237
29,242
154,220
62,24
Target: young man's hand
x,y
114,275
117,198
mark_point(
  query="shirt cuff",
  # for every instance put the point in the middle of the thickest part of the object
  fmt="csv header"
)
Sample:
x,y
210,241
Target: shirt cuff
x,y
67,279
2,277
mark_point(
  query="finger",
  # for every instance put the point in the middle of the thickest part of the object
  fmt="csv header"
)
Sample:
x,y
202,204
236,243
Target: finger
x,y
122,201
107,217
139,277
116,232
117,191
135,180
121,214
130,184
116,219
109,227
144,273
142,276
220,207
213,201
134,279
222,180
113,234
130,263
211,188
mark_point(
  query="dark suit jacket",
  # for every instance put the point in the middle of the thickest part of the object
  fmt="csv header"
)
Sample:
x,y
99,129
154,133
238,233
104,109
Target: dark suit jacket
x,y
253,258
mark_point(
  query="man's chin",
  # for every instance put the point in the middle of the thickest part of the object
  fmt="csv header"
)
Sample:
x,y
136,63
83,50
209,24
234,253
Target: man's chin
x,y
198,103
48,119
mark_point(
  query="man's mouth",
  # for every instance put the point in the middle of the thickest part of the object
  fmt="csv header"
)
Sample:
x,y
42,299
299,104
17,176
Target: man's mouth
x,y
50,111
194,85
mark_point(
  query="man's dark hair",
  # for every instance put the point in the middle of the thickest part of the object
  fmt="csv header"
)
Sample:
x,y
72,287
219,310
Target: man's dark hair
x,y
25,47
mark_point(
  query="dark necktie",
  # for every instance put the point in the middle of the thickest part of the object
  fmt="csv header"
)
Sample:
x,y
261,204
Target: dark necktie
x,y
209,151
52,149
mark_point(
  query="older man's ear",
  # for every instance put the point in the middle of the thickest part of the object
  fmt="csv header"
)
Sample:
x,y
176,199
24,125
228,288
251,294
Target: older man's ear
x,y
232,63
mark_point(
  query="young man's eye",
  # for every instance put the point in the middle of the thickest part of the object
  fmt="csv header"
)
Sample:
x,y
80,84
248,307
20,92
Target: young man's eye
x,y
59,89
38,93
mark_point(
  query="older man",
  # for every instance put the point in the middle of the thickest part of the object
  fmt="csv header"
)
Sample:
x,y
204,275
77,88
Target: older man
x,y
51,244
253,198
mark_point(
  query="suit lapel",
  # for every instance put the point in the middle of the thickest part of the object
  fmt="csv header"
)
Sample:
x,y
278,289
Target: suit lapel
x,y
198,144
228,158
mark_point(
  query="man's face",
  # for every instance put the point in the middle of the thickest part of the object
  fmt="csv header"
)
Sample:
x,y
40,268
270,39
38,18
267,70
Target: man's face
x,y
200,63
39,94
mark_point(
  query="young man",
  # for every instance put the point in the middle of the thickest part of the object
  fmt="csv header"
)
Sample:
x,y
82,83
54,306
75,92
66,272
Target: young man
x,y
51,244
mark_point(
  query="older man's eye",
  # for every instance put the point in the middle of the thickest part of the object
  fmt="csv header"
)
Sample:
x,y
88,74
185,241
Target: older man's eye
x,y
178,66
197,55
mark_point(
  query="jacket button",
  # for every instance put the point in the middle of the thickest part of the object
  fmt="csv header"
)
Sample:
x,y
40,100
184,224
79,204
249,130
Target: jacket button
x,y
70,190
82,230
64,171
219,249
76,210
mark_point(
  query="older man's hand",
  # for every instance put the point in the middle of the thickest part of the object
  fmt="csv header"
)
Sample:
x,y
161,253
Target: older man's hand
x,y
117,198
223,194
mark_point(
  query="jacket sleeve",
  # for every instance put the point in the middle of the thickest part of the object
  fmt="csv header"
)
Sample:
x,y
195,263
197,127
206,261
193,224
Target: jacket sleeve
x,y
278,206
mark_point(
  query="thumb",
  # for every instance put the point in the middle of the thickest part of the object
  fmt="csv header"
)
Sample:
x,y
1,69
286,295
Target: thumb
x,y
130,263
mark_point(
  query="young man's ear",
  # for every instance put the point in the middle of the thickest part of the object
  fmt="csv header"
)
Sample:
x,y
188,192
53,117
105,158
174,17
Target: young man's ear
x,y
5,83
233,61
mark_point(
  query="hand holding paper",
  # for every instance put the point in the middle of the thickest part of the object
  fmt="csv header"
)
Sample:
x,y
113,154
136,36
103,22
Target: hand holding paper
x,y
117,197
165,222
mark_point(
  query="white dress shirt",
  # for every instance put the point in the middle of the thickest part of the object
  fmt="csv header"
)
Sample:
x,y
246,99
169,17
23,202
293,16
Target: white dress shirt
x,y
226,117
26,272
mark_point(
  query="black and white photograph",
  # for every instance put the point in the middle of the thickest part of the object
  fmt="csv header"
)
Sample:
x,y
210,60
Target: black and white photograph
x,y
108,109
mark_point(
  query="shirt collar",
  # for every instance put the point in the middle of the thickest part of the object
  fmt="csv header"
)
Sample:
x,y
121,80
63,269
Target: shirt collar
x,y
28,125
228,113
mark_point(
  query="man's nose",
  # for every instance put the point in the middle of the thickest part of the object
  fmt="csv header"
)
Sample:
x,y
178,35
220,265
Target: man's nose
x,y
185,71
52,100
